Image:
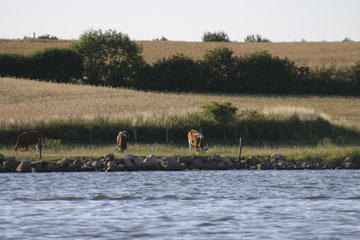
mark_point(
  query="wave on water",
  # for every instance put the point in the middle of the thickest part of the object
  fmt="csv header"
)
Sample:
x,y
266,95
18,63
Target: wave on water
x,y
105,197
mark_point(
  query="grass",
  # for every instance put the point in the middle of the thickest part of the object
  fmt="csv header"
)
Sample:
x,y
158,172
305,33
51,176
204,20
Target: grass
x,y
312,54
328,152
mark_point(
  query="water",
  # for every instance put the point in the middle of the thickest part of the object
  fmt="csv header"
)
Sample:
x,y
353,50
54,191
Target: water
x,y
181,205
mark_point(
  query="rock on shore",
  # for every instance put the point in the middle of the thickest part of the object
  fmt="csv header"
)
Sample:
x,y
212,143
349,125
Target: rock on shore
x,y
128,162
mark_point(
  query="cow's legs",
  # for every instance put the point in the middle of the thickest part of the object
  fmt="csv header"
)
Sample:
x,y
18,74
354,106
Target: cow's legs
x,y
190,146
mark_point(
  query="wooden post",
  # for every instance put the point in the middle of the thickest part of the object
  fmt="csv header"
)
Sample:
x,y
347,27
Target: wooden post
x,y
310,129
39,147
240,148
167,134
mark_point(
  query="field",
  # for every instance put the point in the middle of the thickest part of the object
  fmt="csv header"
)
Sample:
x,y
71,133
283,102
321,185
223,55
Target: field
x,y
312,54
26,102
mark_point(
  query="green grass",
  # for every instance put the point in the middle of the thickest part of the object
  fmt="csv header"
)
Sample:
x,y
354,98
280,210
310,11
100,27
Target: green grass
x,y
329,152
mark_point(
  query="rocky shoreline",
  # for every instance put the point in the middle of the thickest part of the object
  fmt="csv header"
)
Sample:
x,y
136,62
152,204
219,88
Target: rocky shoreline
x,y
130,162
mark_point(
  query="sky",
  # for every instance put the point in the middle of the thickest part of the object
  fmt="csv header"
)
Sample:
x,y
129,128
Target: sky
x,y
184,20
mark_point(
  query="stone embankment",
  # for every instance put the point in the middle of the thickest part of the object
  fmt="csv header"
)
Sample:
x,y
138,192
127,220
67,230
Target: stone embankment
x,y
130,162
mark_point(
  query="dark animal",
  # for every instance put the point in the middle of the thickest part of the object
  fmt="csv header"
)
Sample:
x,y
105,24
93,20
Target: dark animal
x,y
121,140
197,140
26,139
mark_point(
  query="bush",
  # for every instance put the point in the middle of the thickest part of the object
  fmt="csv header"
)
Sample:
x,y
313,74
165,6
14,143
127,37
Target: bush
x,y
218,68
110,58
177,73
14,65
60,65
47,36
220,36
261,73
255,38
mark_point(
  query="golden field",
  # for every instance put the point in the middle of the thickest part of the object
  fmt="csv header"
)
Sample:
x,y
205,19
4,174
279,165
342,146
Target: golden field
x,y
27,101
312,54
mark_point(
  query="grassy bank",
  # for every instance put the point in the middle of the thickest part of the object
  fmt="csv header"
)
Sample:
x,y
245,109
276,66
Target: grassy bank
x,y
329,152
312,54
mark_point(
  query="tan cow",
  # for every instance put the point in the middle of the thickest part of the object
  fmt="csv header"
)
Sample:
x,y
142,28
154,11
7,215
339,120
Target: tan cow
x,y
121,140
26,139
197,140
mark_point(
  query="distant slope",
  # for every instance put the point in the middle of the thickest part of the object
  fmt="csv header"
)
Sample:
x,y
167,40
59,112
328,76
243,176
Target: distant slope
x,y
27,101
313,54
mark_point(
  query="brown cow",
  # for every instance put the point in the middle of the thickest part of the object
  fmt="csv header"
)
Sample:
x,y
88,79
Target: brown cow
x,y
196,139
28,138
121,140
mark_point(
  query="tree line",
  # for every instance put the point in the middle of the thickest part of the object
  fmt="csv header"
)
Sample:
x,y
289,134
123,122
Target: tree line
x,y
110,58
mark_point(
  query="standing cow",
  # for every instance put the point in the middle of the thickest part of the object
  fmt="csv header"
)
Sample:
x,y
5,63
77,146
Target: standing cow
x,y
121,140
26,139
196,139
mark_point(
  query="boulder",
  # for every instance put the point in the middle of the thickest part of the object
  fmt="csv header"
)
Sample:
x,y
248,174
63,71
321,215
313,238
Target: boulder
x,y
198,164
349,163
228,162
151,162
277,156
97,164
2,158
170,163
265,165
64,163
109,157
10,164
24,166
111,167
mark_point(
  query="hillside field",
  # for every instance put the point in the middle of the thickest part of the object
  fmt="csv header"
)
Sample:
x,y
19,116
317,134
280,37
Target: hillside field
x,y
27,101
312,54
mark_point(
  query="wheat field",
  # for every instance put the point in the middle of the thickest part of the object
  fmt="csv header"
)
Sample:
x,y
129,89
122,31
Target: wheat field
x,y
312,54
27,101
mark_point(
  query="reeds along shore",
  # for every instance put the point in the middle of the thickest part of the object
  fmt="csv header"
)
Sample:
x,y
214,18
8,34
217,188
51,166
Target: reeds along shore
x,y
311,54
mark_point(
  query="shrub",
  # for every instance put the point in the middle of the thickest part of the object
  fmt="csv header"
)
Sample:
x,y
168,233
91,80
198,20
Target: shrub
x,y
220,36
14,65
177,73
221,113
261,73
110,58
47,36
60,65
255,38
218,68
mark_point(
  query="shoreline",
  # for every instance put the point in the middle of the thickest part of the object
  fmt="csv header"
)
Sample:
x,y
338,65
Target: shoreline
x,y
129,162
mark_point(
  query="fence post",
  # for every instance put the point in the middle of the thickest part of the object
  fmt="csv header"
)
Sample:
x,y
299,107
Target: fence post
x,y
39,147
240,148
310,134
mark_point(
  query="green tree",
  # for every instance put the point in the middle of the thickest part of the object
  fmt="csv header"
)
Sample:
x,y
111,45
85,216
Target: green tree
x,y
255,38
220,36
222,113
110,58
218,68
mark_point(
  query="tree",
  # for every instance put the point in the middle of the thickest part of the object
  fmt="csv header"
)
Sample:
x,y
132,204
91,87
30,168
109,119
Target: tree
x,y
255,38
222,113
218,68
110,58
220,36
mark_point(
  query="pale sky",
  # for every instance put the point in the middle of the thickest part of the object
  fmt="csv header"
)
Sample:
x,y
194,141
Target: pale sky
x,y
184,20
